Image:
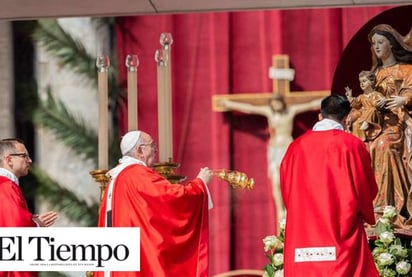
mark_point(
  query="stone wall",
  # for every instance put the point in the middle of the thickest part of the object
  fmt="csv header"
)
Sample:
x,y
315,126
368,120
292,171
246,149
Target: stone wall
x,y
6,81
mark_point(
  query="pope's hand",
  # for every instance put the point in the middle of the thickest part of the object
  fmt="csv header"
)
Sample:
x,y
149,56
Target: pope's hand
x,y
205,174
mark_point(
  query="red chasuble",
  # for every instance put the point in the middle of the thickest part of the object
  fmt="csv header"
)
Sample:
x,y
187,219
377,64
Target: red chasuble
x,y
14,213
173,221
328,187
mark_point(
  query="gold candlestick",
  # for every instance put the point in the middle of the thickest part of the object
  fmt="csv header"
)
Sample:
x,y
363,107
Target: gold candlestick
x,y
167,170
100,177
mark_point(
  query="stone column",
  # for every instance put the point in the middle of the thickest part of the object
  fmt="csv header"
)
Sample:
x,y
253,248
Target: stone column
x,y
6,81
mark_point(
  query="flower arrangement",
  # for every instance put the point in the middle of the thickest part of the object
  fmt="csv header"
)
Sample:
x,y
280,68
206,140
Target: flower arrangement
x,y
392,259
273,246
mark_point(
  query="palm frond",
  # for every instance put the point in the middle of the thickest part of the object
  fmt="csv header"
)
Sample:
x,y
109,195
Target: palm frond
x,y
72,131
64,200
72,53
69,51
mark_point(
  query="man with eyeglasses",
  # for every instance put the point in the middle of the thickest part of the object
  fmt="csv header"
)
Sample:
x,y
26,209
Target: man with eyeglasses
x,y
172,217
15,163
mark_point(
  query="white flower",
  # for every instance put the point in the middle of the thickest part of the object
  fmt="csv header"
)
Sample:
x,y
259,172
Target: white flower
x,y
278,273
272,242
278,259
398,250
403,267
389,212
387,237
385,259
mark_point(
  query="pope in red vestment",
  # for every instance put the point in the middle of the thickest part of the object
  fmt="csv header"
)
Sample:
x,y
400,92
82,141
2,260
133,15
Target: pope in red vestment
x,y
328,187
173,218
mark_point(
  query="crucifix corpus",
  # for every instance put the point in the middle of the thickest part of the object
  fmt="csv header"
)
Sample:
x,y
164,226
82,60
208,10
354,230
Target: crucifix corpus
x,y
280,108
282,75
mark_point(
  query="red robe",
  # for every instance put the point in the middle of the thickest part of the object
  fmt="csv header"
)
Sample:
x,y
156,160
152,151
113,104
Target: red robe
x,y
328,187
14,213
173,221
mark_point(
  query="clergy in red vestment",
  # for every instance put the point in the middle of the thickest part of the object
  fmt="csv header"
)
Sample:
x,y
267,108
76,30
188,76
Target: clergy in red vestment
x,y
15,163
328,187
173,218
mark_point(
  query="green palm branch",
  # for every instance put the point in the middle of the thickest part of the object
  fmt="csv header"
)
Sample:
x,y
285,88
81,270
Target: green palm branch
x,y
69,51
72,53
64,200
69,129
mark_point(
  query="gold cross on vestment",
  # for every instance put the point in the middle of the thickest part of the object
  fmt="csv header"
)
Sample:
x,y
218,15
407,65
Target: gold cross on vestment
x,y
282,75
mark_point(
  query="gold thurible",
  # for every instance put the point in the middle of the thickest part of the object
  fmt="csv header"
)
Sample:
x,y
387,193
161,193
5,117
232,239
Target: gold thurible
x,y
235,178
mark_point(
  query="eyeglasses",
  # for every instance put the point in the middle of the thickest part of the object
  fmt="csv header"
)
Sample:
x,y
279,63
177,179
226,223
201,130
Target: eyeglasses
x,y
152,145
22,155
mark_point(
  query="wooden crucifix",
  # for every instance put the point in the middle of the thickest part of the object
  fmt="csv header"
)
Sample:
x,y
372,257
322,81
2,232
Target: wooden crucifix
x,y
281,86
280,108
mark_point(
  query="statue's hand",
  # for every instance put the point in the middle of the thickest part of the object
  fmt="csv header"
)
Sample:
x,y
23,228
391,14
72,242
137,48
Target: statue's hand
x,y
348,92
380,104
395,102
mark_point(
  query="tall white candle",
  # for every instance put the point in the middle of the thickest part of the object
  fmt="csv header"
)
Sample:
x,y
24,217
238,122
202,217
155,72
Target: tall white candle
x,y
103,64
132,62
164,98
161,106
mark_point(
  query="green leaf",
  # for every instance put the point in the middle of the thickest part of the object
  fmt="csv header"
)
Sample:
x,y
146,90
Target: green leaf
x,y
71,130
64,200
380,228
71,53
